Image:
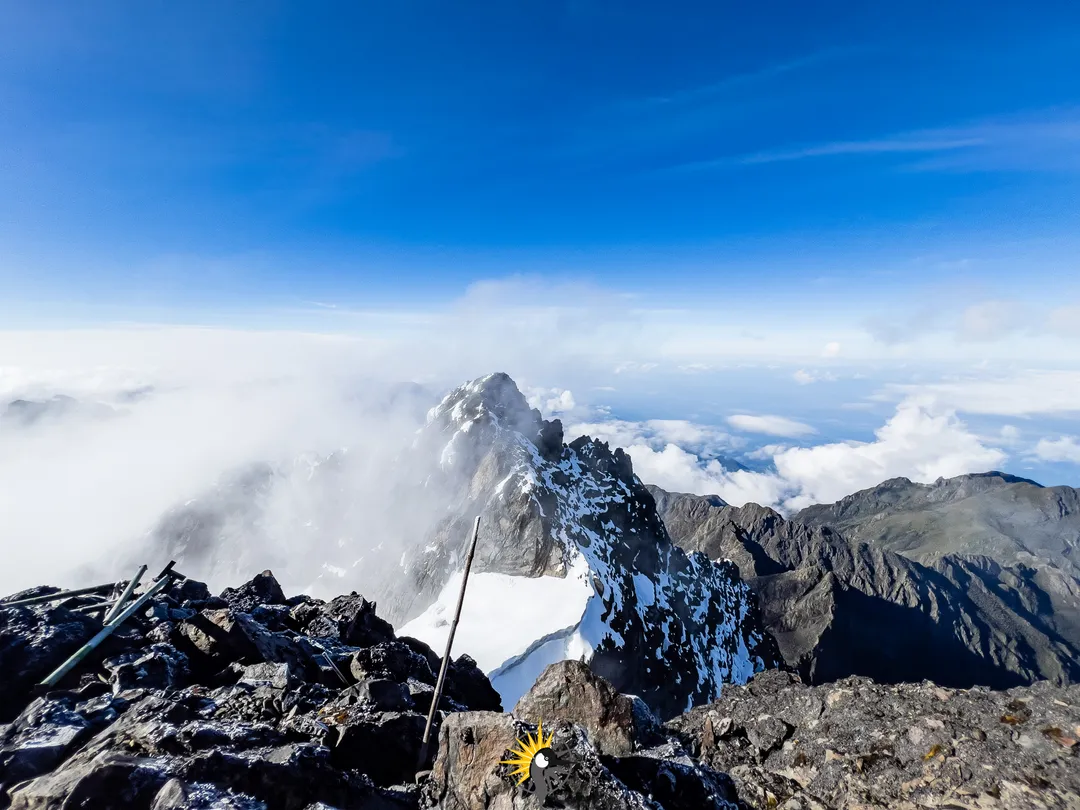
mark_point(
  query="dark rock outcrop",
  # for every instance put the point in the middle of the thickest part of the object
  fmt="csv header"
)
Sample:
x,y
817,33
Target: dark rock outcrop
x,y
34,640
223,707
830,602
233,727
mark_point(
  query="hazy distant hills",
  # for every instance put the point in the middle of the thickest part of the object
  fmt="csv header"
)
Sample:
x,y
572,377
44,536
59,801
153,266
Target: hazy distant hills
x,y
987,602
27,412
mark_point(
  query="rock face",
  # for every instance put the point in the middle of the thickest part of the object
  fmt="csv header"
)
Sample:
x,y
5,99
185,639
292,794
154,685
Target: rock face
x,y
830,601
246,700
468,774
569,690
855,743
570,519
1002,533
1012,520
668,626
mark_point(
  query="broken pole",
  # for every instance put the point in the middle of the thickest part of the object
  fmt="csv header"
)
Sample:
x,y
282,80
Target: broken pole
x,y
56,597
449,643
105,632
131,586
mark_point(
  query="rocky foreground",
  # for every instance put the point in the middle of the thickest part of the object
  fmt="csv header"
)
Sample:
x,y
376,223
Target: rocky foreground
x,y
252,700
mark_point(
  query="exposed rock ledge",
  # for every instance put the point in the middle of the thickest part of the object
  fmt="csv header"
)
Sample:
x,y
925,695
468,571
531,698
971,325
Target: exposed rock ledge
x,y
229,702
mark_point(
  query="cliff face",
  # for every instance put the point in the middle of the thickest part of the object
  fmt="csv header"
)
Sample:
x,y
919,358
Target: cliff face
x,y
656,621
840,607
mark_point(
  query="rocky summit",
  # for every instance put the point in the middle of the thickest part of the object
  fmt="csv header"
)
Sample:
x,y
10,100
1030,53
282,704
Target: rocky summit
x,y
249,699
253,700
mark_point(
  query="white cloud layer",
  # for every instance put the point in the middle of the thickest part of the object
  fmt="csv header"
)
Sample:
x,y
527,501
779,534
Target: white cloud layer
x,y
920,441
1066,448
770,425
224,397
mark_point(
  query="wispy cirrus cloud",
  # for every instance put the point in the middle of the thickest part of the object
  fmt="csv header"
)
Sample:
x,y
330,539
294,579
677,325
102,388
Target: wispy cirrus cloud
x,y
712,90
1044,141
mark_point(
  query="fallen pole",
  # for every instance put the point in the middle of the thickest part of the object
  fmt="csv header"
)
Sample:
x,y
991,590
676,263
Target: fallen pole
x,y
449,643
56,597
105,632
130,589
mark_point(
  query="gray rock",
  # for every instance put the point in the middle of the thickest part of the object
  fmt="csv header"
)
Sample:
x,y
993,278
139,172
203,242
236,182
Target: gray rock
x,y
569,690
179,795
467,772
108,781
262,589
858,743
34,640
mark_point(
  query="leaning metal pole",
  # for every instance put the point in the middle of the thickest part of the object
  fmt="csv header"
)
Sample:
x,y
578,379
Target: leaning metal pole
x,y
130,589
105,632
58,595
449,643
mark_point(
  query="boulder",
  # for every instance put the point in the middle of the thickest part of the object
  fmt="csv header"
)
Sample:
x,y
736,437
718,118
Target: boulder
x,y
467,772
189,590
391,660
108,781
467,684
179,795
46,732
223,636
159,666
358,623
290,777
376,694
262,589
35,640
274,675
569,690
384,745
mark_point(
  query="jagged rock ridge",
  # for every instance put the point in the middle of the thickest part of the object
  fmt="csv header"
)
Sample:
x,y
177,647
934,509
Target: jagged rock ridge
x,y
839,607
230,701
658,622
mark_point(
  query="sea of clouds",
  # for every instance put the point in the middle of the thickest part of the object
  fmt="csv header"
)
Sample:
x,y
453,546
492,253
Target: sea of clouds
x,y
189,405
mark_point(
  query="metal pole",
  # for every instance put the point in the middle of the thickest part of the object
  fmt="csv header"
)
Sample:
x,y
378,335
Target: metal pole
x,y
449,643
125,596
105,632
55,597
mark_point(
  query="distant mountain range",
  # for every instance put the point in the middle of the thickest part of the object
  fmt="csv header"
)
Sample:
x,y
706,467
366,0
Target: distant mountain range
x,y
970,580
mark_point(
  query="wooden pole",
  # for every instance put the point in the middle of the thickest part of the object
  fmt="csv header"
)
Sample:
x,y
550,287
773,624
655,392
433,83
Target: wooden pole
x,y
449,643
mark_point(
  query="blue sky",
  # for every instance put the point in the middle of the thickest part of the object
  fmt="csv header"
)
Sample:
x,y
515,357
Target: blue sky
x,y
864,217
255,154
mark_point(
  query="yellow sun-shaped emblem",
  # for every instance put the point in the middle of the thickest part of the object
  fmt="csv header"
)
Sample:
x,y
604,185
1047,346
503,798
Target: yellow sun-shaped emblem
x,y
524,751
